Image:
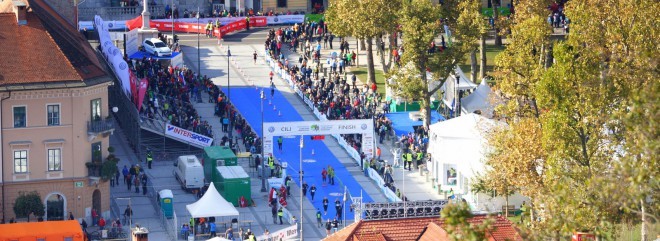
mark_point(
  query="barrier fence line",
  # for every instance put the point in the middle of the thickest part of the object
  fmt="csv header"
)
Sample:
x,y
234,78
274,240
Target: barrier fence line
x,y
285,76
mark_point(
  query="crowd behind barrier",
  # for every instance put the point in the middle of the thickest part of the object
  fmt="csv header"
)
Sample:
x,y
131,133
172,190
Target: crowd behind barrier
x,y
336,99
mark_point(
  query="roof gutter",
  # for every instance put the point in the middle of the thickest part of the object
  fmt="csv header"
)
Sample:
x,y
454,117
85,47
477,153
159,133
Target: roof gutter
x,y
2,130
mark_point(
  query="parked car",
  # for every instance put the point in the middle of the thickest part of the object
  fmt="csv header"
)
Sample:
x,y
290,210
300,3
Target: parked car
x,y
156,47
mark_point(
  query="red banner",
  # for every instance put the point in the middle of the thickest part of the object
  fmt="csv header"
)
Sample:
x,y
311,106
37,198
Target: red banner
x,y
134,87
198,28
141,92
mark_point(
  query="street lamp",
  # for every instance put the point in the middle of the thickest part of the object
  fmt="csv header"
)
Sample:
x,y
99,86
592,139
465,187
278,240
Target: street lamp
x,y
231,129
199,61
403,189
172,16
263,159
301,190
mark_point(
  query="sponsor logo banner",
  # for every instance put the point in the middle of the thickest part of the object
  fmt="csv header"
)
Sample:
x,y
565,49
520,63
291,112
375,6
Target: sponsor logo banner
x,y
188,136
284,234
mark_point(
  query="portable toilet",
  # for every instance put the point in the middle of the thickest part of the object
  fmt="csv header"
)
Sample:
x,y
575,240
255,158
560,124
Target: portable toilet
x,y
215,156
233,183
165,202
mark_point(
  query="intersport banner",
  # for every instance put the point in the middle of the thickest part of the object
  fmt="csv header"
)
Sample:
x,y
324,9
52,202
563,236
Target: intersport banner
x,y
184,135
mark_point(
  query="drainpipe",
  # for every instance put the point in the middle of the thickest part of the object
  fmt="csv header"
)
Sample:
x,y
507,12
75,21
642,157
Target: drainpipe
x,y
3,160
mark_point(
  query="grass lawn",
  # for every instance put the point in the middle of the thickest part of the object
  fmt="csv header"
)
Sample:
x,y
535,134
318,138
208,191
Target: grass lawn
x,y
362,76
491,52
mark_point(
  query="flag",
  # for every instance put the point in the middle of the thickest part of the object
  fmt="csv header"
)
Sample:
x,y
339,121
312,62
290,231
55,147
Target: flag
x,y
345,194
142,90
181,78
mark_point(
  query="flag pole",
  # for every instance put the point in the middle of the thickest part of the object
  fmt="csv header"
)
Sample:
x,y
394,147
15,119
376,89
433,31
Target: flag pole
x,y
302,144
343,209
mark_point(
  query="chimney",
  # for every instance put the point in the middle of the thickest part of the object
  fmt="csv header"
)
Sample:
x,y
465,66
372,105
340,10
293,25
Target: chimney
x,y
20,9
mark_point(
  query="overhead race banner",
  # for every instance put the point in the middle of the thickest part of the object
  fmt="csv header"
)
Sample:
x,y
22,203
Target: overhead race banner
x,y
326,127
283,234
188,136
367,147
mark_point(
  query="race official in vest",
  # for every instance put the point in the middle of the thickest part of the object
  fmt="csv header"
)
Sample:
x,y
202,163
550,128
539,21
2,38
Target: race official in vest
x,y
150,158
409,160
271,164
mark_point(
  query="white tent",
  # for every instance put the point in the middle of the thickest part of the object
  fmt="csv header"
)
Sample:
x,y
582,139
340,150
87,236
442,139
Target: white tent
x,y
450,86
481,100
458,148
212,204
461,142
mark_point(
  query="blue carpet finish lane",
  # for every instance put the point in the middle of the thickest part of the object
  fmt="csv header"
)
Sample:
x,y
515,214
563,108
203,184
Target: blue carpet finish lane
x,y
246,100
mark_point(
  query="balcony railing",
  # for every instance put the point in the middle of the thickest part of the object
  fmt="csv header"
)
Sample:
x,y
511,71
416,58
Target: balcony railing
x,y
94,170
119,13
100,126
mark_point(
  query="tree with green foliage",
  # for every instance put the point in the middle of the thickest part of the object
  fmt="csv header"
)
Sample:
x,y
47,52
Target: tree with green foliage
x,y
582,135
457,218
421,22
363,19
29,203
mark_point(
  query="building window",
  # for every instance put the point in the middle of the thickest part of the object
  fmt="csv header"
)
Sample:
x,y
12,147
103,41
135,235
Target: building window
x,y
96,152
281,3
96,109
54,159
20,116
20,161
53,115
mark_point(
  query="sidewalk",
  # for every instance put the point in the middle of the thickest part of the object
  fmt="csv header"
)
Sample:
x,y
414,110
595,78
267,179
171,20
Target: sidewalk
x,y
144,212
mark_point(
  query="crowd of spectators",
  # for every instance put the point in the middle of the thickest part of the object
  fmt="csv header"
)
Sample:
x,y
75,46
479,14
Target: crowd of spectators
x,y
170,93
169,98
337,94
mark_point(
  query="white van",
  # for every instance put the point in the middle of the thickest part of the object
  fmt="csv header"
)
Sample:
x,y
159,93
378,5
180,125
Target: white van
x,y
189,172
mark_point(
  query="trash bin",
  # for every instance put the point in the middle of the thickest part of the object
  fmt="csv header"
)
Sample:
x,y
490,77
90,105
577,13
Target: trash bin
x,y
166,201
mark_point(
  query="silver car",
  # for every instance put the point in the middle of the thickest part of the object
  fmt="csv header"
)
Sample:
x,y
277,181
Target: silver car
x,y
156,47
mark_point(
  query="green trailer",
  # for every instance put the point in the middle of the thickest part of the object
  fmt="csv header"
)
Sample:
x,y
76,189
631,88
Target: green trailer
x,y
233,183
215,156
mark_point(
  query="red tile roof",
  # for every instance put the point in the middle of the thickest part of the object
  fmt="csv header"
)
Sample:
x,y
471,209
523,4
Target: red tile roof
x,y
412,229
45,50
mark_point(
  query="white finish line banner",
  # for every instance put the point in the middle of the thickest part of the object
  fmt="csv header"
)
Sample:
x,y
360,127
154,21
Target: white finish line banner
x,y
331,127
188,136
284,234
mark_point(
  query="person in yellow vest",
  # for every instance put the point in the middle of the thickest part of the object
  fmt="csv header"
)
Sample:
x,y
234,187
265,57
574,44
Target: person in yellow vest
x,y
409,159
420,156
209,29
150,158
271,164
217,23
247,23
280,214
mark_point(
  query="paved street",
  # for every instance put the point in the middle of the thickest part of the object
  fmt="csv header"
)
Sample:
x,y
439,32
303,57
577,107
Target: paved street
x,y
243,72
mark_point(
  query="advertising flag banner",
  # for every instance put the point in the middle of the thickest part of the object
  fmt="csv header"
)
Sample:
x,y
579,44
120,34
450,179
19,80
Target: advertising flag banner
x,y
142,92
